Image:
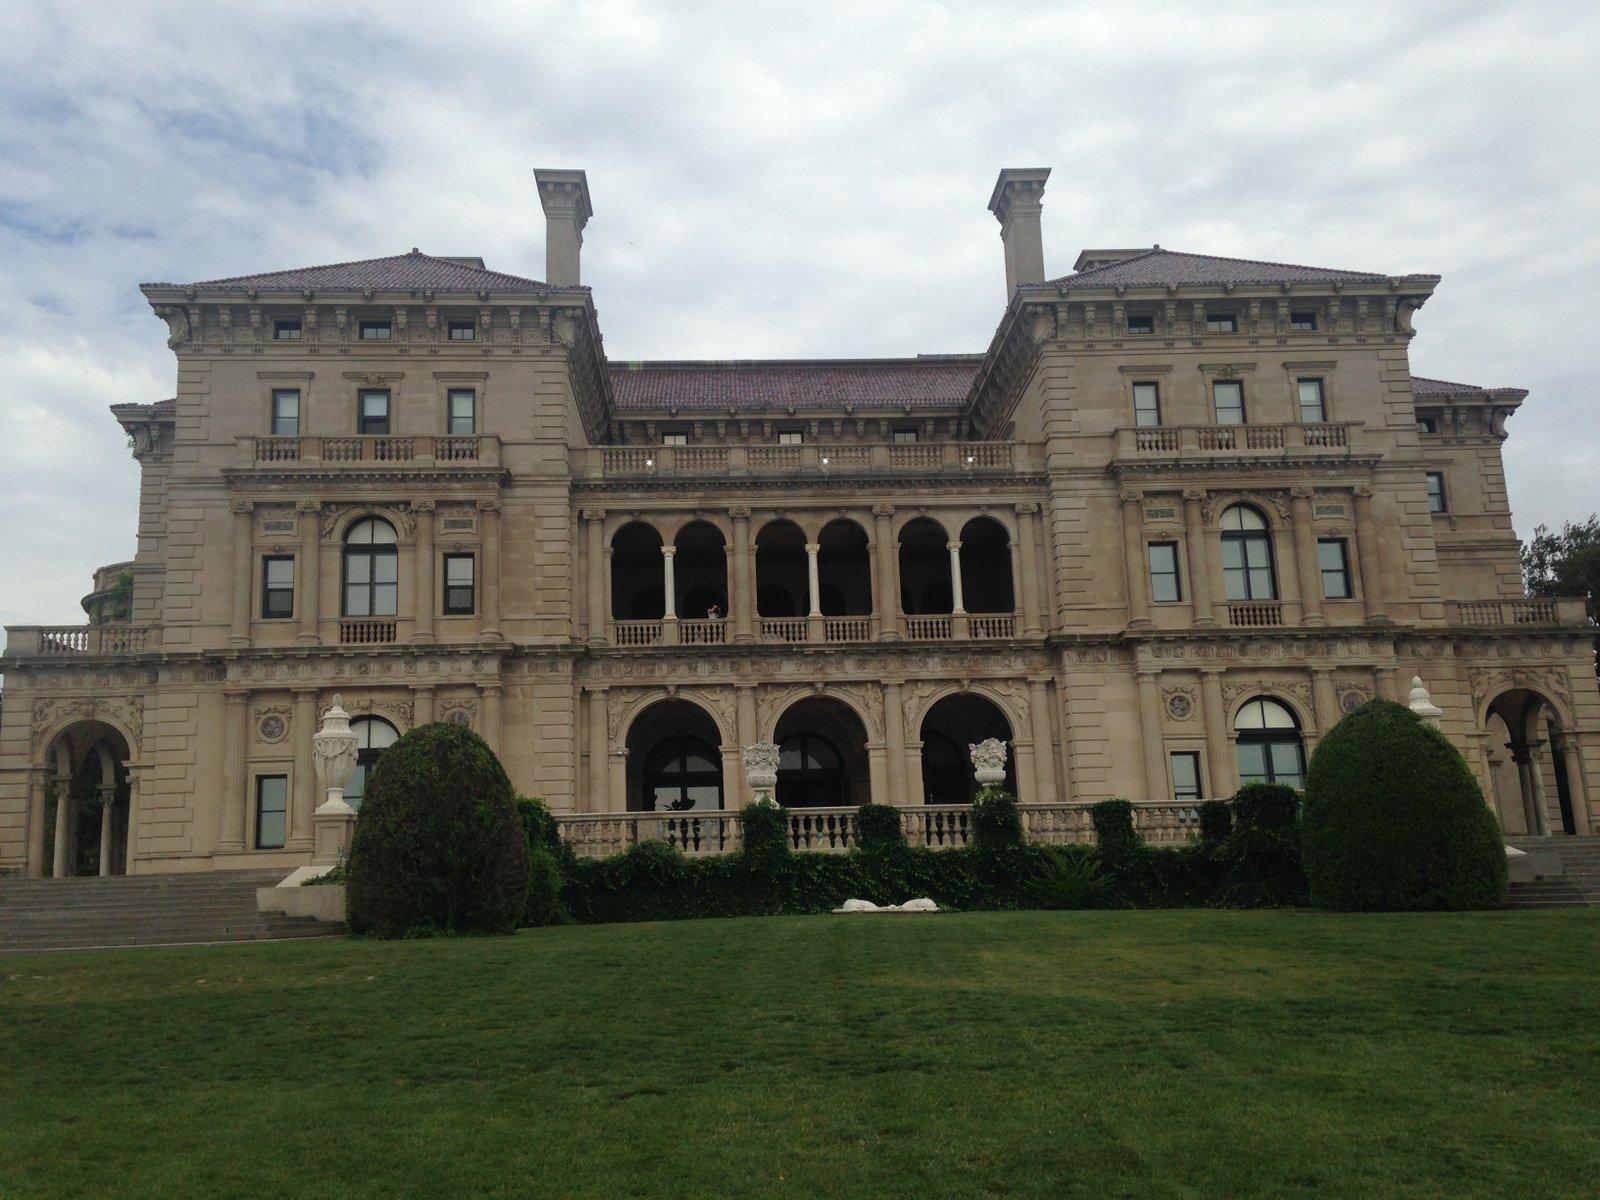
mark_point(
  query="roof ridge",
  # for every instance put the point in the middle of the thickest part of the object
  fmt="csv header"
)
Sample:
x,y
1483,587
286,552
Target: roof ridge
x,y
463,270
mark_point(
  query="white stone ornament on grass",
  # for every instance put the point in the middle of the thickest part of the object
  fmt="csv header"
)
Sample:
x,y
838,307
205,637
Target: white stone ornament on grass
x,y
1422,703
920,905
334,756
989,761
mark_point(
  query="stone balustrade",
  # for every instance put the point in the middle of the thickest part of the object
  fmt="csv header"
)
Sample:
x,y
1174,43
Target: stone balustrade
x,y
464,450
1175,442
76,640
1562,610
812,458
833,830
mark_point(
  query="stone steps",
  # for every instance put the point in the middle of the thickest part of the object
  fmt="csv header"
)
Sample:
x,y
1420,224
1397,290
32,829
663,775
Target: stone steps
x,y
144,910
1575,881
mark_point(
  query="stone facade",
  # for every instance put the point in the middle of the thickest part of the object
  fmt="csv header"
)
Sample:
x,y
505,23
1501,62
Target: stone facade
x,y
1180,515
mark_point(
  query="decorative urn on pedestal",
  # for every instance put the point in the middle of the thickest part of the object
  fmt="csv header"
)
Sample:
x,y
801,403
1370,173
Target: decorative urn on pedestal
x,y
761,770
334,755
988,761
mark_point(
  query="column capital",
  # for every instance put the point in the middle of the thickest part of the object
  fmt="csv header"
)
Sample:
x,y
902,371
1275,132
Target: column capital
x,y
813,547
883,511
308,506
241,508
1026,509
740,512
423,506
668,551
1131,496
594,514
1194,495
953,547
1301,491
1362,491
488,506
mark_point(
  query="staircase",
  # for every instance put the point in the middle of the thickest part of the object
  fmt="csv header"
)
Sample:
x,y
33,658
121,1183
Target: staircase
x,y
1576,886
144,910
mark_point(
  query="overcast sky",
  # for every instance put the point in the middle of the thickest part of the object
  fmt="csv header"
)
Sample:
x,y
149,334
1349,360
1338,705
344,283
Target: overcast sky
x,y
774,180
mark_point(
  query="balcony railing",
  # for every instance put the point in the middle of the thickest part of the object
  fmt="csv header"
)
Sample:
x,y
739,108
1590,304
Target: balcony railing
x,y
811,458
702,633
1255,614
847,629
834,830
1561,610
313,452
991,625
927,629
73,640
783,629
1253,441
636,633
367,631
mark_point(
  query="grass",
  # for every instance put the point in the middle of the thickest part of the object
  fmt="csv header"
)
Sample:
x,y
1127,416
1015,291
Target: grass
x,y
1182,1054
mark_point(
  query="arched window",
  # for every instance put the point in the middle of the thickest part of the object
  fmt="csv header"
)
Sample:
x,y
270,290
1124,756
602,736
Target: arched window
x,y
683,773
810,773
1247,555
1270,750
374,735
371,570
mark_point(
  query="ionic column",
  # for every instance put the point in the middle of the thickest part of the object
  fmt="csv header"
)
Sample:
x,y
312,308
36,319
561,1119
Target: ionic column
x,y
490,713
108,803
304,725
958,602
888,574
1039,719
1155,767
878,772
424,596
1324,702
243,574
1221,767
1029,570
894,740
744,696
422,704
596,519
37,782
309,575
669,587
489,584
231,836
741,604
1194,554
1532,792
598,798
814,586
133,818
1367,553
1133,557
58,862
1308,571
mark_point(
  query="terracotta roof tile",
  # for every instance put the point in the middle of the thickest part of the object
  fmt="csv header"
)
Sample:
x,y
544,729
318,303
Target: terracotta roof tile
x,y
400,273
766,386
1159,268
1421,386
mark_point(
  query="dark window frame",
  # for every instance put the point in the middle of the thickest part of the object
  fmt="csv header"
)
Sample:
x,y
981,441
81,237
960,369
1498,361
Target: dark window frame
x,y
281,594
1222,322
452,419
1172,572
375,329
371,553
1180,793
461,331
288,329
1216,409
903,437
1340,571
1141,324
368,426
460,600
1438,498
263,812
279,420
1153,389
1317,382
1302,320
1268,737
1248,541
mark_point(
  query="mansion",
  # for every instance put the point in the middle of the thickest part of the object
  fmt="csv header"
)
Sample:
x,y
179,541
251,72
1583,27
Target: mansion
x,y
1179,516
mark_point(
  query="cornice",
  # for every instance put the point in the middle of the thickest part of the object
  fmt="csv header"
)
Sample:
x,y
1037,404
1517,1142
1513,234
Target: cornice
x,y
836,486
342,478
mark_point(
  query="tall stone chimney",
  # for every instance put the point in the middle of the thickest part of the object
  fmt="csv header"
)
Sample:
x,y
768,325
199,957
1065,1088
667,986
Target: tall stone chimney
x,y
565,197
1017,198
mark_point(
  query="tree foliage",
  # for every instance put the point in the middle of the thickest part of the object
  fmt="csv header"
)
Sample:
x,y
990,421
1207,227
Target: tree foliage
x,y
1566,564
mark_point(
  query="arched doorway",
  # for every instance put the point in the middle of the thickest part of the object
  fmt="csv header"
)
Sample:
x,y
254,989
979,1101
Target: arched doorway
x,y
700,571
1538,792
949,728
822,756
86,813
674,760
844,570
637,592
374,735
986,567
925,568
783,587
1270,749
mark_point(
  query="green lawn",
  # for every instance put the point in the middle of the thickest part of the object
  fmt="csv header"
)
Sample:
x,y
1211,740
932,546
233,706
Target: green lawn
x,y
1205,1054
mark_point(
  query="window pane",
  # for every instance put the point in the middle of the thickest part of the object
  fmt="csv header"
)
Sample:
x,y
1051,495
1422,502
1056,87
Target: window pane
x,y
385,568
272,809
358,568
1286,763
1311,406
1164,572
385,599
1146,404
704,796
280,572
1335,564
1435,492
1252,762
1186,776
1229,400
463,403
285,412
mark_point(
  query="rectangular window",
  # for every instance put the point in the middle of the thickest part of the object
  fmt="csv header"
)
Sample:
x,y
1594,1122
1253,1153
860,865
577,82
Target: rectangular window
x,y
463,416
790,437
1303,321
1427,424
1228,397
285,412
1312,408
277,586
1436,502
1185,774
1146,404
272,811
463,331
1222,323
459,590
674,439
372,413
1165,586
1141,323
286,329
1334,558
374,331
903,437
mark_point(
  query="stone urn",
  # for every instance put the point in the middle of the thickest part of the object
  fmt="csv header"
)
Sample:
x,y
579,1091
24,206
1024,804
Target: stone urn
x,y
333,749
761,770
1421,703
988,761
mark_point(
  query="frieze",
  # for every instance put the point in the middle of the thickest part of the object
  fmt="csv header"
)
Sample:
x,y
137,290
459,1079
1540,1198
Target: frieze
x,y
52,715
1489,682
399,712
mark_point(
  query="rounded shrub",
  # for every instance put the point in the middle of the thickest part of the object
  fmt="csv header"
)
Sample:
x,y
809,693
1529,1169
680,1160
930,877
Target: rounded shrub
x,y
995,819
1261,857
1395,821
1113,826
1216,821
438,846
766,832
878,826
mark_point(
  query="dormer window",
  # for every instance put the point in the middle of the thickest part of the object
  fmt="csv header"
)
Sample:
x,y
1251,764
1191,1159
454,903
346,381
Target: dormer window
x,y
375,331
463,331
286,329
790,437
1303,321
1427,424
1141,323
1222,323
903,437
674,439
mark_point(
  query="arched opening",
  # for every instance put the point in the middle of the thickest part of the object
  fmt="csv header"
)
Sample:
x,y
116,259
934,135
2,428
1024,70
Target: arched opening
x,y
674,760
374,735
1247,568
1535,792
925,568
1270,749
86,812
822,756
844,570
700,571
371,569
637,593
949,728
783,586
986,567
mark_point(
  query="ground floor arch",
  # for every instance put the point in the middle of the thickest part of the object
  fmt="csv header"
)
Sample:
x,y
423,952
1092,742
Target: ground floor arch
x,y
1534,773
674,760
87,813
822,756
949,729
